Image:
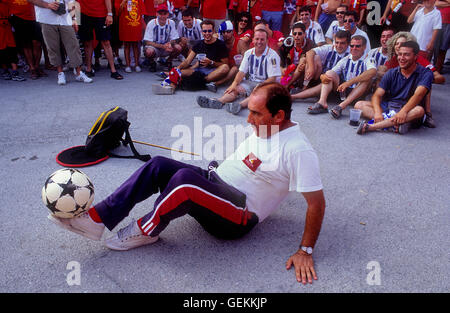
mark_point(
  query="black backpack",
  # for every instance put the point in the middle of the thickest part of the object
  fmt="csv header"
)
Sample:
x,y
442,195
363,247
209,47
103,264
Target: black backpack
x,y
108,132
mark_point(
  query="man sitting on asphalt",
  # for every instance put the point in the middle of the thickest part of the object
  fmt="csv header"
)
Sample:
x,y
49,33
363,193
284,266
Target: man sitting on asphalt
x,y
227,200
189,31
399,99
380,55
212,55
261,64
321,59
351,77
160,38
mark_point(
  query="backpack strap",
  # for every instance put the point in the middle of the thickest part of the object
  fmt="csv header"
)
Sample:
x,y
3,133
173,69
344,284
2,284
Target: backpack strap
x,y
127,141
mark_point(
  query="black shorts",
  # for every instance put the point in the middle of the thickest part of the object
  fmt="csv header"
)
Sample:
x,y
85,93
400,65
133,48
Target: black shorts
x,y
8,56
25,31
90,24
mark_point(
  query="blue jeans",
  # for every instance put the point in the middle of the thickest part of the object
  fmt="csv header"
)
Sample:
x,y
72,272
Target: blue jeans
x,y
274,18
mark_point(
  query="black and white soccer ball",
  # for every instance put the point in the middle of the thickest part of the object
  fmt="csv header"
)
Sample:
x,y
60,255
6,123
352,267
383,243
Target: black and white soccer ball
x,y
68,193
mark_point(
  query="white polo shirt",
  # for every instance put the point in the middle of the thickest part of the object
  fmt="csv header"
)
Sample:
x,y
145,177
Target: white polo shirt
x,y
424,24
160,34
262,67
285,162
348,69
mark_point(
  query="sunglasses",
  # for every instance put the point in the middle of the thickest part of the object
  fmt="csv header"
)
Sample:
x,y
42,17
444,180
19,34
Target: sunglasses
x,y
355,46
349,21
207,30
342,12
297,33
243,20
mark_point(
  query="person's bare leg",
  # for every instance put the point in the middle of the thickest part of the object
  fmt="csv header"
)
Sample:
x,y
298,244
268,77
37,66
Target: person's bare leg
x,y
412,115
357,92
88,49
109,54
230,76
366,108
308,93
218,73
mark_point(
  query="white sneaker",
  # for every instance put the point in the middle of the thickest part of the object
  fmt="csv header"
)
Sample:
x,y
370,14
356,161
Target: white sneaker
x,y
83,78
128,69
128,238
138,69
61,78
82,225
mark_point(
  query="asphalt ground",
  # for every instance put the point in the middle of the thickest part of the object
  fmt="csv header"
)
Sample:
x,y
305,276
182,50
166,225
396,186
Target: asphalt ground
x,y
385,228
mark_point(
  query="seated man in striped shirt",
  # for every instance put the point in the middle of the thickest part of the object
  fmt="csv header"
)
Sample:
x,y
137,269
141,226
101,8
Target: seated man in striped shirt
x,y
261,64
380,55
321,59
351,77
189,31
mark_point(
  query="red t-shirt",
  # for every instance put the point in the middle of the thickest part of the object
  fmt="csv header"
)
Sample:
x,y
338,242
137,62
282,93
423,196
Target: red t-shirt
x,y
248,33
93,8
407,7
445,13
273,5
6,35
131,23
301,3
195,3
255,10
22,9
150,7
178,3
214,9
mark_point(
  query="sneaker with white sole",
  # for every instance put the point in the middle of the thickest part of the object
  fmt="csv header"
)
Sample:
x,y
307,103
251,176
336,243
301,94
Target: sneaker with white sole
x,y
129,237
128,69
82,225
138,69
83,78
61,78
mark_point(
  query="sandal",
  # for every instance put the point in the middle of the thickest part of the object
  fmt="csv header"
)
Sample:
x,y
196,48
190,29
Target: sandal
x,y
317,108
336,112
233,107
116,75
362,128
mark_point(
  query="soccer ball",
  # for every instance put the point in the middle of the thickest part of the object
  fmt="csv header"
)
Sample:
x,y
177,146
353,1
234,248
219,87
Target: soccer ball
x,y
68,193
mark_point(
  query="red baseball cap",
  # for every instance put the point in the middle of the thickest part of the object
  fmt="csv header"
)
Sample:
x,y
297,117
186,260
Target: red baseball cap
x,y
162,7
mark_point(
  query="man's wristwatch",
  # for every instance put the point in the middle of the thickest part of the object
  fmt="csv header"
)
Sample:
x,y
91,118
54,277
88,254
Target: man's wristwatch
x,y
308,250
110,14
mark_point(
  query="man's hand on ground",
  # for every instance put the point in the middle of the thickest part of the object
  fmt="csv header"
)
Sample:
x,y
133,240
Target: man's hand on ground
x,y
303,265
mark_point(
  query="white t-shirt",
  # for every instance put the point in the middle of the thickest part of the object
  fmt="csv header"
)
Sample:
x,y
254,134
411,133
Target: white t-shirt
x,y
194,33
424,24
262,67
47,16
160,34
288,163
347,68
329,56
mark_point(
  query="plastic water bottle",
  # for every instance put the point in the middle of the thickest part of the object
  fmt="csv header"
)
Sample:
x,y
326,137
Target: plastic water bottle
x,y
129,5
398,6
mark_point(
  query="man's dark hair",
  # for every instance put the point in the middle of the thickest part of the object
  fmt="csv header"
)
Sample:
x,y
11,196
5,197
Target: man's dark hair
x,y
413,45
344,34
278,98
261,21
352,14
305,8
187,12
343,6
299,25
207,22
361,38
386,27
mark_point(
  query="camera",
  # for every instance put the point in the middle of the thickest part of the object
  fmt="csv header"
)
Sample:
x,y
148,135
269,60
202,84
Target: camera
x,y
61,9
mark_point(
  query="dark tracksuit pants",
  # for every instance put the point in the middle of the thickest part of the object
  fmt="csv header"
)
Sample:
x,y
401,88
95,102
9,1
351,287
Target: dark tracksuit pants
x,y
184,189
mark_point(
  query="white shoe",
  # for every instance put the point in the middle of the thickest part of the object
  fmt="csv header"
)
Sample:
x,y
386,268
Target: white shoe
x,y
61,78
83,78
128,69
128,238
138,69
82,225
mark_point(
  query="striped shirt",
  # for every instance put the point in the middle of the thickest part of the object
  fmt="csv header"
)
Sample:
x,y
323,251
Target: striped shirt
x,y
377,56
194,33
347,68
315,33
160,34
329,56
260,68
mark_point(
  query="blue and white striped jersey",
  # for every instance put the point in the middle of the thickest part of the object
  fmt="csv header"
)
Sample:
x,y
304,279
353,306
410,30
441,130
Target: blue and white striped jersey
x,y
347,68
377,56
160,34
194,33
262,67
329,56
